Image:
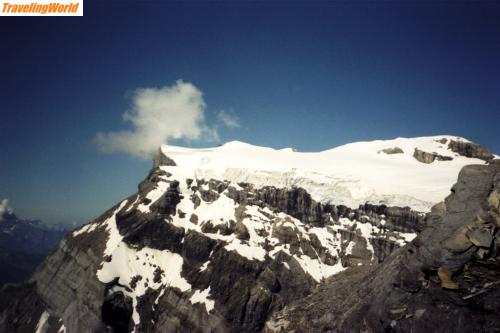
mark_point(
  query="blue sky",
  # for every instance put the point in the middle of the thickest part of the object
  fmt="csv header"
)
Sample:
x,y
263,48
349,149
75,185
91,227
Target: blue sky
x,y
308,75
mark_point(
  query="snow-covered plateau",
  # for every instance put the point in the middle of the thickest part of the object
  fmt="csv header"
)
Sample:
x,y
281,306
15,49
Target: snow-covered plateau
x,y
351,174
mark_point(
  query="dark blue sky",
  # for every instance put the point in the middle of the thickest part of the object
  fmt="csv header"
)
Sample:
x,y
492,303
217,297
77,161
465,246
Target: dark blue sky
x,y
308,75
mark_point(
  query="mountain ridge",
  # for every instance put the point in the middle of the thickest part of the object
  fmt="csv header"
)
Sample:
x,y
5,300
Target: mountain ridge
x,y
209,254
23,245
350,174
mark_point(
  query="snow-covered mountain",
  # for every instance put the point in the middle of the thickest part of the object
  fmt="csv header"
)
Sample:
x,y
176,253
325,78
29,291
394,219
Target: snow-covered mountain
x,y
218,239
378,172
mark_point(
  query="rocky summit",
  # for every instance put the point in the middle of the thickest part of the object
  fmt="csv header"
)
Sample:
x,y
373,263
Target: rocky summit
x,y
241,238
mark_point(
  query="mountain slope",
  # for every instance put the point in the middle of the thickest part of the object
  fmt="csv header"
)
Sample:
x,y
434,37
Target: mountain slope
x,y
446,280
218,239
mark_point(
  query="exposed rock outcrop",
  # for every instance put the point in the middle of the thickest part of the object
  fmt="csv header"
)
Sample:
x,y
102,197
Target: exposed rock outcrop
x,y
161,159
427,158
470,149
392,151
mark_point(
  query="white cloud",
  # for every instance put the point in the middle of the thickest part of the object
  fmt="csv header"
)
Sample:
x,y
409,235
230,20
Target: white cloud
x,y
228,119
157,116
5,208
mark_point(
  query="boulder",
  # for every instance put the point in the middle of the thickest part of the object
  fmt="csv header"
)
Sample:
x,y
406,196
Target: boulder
x,y
391,151
428,158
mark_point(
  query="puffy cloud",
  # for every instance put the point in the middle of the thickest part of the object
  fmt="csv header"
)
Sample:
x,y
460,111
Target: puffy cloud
x,y
228,119
157,116
5,208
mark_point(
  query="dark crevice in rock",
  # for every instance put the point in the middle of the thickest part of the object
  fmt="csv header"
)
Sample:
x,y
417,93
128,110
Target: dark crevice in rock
x,y
117,312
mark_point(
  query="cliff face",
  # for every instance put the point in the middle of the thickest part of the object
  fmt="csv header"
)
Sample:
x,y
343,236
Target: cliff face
x,y
445,280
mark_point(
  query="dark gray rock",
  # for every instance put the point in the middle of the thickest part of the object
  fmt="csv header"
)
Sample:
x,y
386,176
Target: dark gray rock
x,y
241,231
25,309
167,203
161,159
392,151
428,158
151,180
470,149
116,312
154,233
442,141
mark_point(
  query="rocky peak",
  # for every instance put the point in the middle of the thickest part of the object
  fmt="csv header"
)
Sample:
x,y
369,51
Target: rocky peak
x,y
161,159
425,157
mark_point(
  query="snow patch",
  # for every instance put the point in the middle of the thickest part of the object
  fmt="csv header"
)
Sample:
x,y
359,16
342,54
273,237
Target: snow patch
x,y
114,237
42,324
85,229
127,263
202,297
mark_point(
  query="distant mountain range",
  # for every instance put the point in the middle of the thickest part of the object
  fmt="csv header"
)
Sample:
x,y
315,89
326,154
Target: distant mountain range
x,y
23,246
366,237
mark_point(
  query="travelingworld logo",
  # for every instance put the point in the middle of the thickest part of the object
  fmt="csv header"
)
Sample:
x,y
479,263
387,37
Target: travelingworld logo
x,y
41,8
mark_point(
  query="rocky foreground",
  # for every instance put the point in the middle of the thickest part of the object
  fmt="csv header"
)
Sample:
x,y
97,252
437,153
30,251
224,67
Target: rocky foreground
x,y
445,280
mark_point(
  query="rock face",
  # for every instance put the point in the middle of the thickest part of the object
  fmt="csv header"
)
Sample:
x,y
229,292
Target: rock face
x,y
427,158
459,146
470,149
391,151
162,160
26,311
445,280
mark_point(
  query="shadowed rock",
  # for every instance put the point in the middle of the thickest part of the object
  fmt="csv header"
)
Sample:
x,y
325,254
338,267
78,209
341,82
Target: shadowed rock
x,y
470,149
161,159
428,158
392,151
